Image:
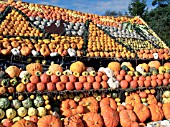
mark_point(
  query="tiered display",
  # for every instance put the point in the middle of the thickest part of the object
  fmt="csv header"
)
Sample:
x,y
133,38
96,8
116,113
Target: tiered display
x,y
64,68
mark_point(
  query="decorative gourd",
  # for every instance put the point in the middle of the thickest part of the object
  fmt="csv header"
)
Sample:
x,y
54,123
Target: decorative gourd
x,y
155,64
127,118
156,112
92,120
5,82
114,66
142,112
13,71
27,103
38,101
144,66
166,110
55,68
10,113
22,111
90,104
34,67
2,114
110,117
108,102
128,64
24,123
41,111
78,67
133,99
73,121
4,103
32,111
68,107
51,120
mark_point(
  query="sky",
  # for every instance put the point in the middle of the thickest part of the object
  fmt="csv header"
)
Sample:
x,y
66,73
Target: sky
x,y
91,6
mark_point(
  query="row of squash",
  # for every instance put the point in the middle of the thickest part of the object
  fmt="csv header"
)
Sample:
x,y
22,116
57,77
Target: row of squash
x,y
100,110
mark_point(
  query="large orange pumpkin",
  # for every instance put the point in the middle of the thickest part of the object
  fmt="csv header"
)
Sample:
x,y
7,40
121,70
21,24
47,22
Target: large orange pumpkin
x,y
73,121
108,102
156,112
155,64
92,120
114,66
78,67
127,118
34,67
49,120
166,110
133,99
24,123
142,112
151,99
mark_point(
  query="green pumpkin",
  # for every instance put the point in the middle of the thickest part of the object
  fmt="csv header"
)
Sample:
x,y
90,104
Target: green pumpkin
x,y
5,82
39,101
152,69
2,114
27,103
124,67
16,104
4,103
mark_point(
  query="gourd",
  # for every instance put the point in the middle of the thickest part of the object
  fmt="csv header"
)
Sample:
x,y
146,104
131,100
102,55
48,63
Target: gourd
x,y
24,123
5,82
10,113
13,71
22,111
2,114
32,111
16,104
39,101
51,120
4,103
78,67
41,111
27,103
114,66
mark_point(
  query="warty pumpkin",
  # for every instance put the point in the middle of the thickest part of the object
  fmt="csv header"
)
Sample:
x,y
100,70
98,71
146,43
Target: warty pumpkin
x,y
49,121
24,123
108,102
73,121
55,68
13,71
114,66
92,120
142,112
78,67
34,67
132,99
151,99
166,110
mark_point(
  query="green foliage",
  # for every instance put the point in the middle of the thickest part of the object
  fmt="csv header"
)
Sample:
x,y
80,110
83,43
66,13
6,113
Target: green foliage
x,y
160,3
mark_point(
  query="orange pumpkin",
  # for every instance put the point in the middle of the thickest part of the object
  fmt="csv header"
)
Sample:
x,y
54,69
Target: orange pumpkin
x,y
142,112
34,67
155,64
24,123
92,120
49,120
78,67
108,102
73,121
133,99
151,99
55,68
166,110
13,71
114,66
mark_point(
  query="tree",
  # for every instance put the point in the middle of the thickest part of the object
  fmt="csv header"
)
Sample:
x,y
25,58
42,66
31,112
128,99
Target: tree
x,y
113,13
160,3
138,8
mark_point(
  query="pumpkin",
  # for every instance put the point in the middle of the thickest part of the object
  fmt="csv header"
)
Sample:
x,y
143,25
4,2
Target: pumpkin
x,y
22,111
145,67
2,114
132,99
53,68
13,71
151,99
73,121
41,111
156,112
114,66
34,79
68,107
4,103
155,64
49,120
24,123
78,67
127,118
27,103
16,104
110,117
45,78
166,110
128,64
92,120
90,104
108,102
40,86
142,112
2,90
10,113
32,111
38,101
34,67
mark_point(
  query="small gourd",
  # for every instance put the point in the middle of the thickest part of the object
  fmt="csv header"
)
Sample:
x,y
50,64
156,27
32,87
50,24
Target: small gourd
x,y
4,103
13,82
22,111
27,103
41,111
10,113
16,104
32,111
2,114
39,101
16,119
5,82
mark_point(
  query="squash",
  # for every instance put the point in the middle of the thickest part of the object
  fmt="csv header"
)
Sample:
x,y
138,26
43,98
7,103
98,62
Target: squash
x,y
10,113
24,123
90,104
127,118
78,67
27,103
34,67
22,111
166,110
4,103
32,111
53,68
156,112
92,119
13,71
114,66
5,82
108,102
51,120
16,104
41,111
38,101
2,114
155,64
142,112
128,64
144,66
133,99
73,121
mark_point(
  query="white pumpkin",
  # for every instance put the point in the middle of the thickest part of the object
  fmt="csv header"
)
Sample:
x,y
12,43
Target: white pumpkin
x,y
22,111
10,113
140,69
32,111
109,72
15,51
2,114
41,111
71,52
155,55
